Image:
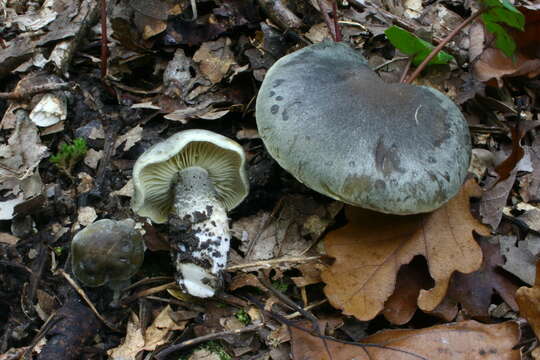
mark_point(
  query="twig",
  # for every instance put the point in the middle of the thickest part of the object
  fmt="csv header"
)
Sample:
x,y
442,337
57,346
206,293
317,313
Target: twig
x,y
442,44
396,59
147,281
290,303
280,14
104,40
337,28
49,323
309,307
289,323
406,70
162,354
281,296
25,93
147,292
87,300
328,21
269,263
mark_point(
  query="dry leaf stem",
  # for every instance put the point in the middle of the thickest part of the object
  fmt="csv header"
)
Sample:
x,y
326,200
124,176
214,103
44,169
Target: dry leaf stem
x,y
442,44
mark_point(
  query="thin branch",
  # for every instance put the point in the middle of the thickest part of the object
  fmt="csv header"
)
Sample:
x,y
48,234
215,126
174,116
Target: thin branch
x,y
26,93
337,28
104,40
271,262
289,323
442,44
163,354
327,21
87,300
406,70
386,63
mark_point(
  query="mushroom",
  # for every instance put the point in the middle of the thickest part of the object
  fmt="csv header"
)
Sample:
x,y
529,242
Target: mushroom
x,y
332,123
107,252
192,179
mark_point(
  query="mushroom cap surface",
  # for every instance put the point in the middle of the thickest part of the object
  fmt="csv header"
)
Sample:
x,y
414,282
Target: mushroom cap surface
x,y
156,170
106,250
331,122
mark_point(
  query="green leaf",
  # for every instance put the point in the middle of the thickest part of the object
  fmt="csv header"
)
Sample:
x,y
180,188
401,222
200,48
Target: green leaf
x,y
503,40
415,47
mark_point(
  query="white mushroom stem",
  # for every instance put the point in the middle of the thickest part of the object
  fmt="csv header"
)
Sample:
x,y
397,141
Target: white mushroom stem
x,y
200,233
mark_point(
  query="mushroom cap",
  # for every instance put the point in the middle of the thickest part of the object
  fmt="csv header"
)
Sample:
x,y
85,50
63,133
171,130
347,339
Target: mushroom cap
x,y
106,250
331,122
156,170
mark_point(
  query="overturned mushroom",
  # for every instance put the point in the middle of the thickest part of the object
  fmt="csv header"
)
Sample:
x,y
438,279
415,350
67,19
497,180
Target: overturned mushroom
x,y
107,252
192,179
330,121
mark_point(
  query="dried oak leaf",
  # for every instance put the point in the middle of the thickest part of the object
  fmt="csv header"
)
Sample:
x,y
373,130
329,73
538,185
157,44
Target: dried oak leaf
x,y
474,291
401,306
215,59
469,340
371,248
528,300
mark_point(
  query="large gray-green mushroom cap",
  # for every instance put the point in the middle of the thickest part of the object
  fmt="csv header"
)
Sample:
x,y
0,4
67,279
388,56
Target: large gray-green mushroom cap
x,y
107,251
330,121
192,179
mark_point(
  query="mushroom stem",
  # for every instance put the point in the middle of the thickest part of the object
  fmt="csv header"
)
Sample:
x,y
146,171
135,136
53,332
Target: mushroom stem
x,y
200,233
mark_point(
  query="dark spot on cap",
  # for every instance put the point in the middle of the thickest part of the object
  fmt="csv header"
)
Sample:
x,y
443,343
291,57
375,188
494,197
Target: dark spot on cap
x,y
274,109
279,98
386,158
284,115
277,82
432,160
272,93
380,185
352,164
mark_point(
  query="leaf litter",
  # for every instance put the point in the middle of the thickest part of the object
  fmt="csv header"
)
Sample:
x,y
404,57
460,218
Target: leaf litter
x,y
191,64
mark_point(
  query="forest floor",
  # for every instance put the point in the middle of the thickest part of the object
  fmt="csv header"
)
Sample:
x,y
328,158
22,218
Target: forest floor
x,y
307,277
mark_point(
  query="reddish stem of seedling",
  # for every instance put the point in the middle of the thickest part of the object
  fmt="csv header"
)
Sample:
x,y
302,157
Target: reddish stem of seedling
x,y
337,28
442,44
104,48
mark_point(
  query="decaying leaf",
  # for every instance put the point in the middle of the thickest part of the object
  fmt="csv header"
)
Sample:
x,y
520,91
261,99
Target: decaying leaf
x,y
493,64
528,300
401,306
474,291
23,151
371,248
132,344
156,334
130,138
469,340
521,256
215,59
495,196
291,229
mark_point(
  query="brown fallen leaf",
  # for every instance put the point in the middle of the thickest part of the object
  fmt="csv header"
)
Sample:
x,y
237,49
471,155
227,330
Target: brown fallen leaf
x,y
493,64
215,59
528,300
401,306
467,340
504,169
474,291
371,248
